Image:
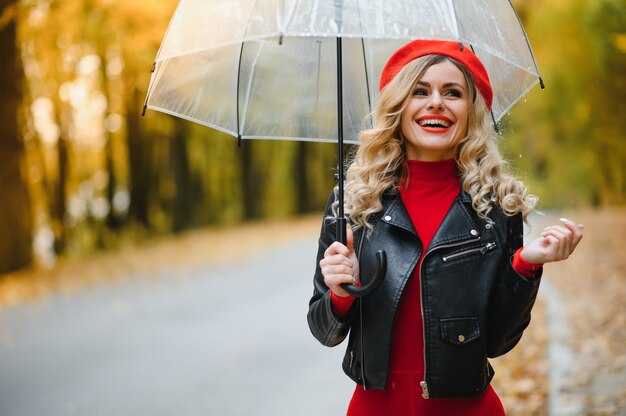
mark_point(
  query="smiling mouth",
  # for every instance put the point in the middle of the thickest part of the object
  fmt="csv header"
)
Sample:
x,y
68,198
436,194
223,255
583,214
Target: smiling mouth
x,y
434,123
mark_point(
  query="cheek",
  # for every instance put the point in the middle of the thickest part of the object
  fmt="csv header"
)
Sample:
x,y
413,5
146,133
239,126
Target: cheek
x,y
409,113
462,119
406,122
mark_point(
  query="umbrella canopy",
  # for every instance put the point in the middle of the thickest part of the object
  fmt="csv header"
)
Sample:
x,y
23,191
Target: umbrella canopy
x,y
309,70
268,68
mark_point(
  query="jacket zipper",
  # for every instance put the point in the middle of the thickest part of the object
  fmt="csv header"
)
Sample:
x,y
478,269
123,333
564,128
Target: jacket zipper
x,y
361,319
423,383
362,346
487,247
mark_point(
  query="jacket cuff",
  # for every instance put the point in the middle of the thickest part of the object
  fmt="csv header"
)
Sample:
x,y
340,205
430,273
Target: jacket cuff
x,y
341,305
518,285
524,267
337,326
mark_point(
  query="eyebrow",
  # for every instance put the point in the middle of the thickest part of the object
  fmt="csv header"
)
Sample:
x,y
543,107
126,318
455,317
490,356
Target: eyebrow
x,y
446,85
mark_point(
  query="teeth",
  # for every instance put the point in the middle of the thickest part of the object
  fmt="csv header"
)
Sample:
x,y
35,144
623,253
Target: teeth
x,y
434,121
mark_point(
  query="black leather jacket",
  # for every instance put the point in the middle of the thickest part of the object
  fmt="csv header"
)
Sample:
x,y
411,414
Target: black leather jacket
x,y
474,304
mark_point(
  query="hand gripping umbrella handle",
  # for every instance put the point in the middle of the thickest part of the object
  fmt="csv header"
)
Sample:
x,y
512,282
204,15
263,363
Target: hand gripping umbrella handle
x,y
379,276
381,264
381,256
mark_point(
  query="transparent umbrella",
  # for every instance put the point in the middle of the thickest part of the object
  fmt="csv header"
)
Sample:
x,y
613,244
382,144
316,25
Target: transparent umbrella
x,y
309,69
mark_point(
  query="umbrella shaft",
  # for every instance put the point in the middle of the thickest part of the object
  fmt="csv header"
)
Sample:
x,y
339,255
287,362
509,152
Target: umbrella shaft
x,y
341,222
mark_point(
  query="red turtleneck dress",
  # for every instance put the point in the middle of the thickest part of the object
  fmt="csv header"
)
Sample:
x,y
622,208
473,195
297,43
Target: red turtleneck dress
x,y
428,196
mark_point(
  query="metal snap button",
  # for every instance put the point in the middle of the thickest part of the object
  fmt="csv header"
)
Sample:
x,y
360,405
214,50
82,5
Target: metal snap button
x,y
387,218
488,226
461,338
474,232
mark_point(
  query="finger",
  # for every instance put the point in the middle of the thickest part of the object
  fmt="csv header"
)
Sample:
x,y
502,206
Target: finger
x,y
553,248
345,279
336,280
577,231
349,238
338,269
569,236
556,233
335,261
336,248
564,239
560,230
338,258
332,271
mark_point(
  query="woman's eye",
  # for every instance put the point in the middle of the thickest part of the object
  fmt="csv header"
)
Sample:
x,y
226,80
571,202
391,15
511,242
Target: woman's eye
x,y
454,93
420,91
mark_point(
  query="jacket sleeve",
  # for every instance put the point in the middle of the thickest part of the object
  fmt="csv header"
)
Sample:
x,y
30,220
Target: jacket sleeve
x,y
328,328
514,296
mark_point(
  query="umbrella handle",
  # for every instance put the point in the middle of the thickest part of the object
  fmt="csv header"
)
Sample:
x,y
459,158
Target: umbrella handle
x,y
379,276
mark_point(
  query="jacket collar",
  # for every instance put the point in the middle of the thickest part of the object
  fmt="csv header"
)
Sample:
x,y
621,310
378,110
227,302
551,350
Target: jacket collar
x,y
458,225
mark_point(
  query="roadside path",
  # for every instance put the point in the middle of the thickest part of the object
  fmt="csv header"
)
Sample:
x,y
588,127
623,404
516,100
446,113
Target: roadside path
x,y
585,298
224,339
214,322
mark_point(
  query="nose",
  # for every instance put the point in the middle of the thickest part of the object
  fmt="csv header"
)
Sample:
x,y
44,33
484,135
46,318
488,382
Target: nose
x,y
436,101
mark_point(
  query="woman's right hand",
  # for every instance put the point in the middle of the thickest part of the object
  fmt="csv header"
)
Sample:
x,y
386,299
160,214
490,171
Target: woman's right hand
x,y
340,265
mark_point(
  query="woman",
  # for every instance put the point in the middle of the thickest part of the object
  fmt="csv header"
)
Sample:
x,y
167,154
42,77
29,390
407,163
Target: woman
x,y
428,186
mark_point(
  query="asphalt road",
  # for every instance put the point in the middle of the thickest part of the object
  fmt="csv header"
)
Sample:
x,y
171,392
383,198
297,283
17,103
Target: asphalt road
x,y
221,340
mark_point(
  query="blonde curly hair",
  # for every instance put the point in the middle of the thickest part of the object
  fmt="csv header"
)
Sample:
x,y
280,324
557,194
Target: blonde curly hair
x,y
380,162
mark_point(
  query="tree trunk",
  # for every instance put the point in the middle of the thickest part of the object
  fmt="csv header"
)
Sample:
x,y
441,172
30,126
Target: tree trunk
x,y
301,170
138,162
113,222
179,160
253,180
58,205
15,209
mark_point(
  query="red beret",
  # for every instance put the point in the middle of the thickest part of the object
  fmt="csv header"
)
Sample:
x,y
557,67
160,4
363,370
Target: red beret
x,y
418,48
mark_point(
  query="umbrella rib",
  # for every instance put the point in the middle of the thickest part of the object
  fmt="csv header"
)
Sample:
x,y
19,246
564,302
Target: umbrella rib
x,y
277,35
239,138
157,71
167,31
249,85
532,55
191,118
500,56
493,117
246,137
319,63
287,19
367,79
505,110
367,84
238,86
456,21
145,103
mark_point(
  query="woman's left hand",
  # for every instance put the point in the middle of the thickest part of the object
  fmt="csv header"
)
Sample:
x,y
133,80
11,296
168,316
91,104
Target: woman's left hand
x,y
556,243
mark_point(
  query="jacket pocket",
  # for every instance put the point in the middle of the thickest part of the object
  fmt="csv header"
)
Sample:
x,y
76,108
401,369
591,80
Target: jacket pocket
x,y
459,331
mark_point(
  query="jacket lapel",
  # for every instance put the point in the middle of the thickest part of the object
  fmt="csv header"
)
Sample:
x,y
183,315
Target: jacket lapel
x,y
458,225
396,214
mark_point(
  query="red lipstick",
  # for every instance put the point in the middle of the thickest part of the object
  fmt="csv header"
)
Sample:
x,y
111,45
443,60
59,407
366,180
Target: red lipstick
x,y
439,124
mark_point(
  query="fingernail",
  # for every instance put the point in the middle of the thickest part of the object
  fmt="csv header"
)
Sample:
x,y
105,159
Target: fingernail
x,y
564,219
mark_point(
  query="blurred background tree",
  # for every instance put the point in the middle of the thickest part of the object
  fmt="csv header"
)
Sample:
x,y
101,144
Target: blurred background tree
x,y
81,170
568,140
15,212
